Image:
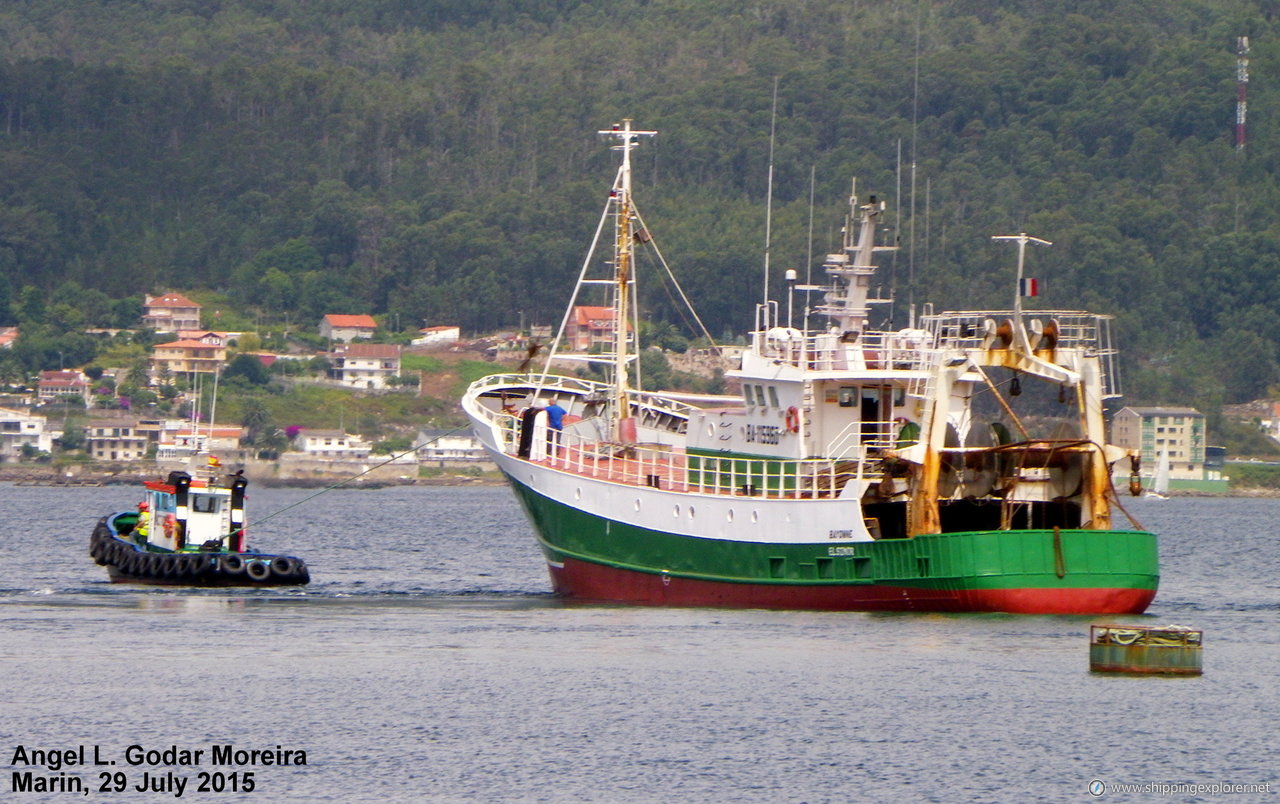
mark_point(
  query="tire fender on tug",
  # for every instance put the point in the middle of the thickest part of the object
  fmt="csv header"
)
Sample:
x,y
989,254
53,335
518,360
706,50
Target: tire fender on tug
x,y
231,564
171,565
258,570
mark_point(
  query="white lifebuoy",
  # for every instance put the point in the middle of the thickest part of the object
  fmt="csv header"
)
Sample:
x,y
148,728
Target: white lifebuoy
x,y
793,419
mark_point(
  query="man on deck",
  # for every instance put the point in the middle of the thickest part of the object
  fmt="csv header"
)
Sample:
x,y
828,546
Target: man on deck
x,y
555,423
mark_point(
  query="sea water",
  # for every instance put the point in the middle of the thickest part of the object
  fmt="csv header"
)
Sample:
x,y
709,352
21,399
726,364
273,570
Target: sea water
x,y
427,661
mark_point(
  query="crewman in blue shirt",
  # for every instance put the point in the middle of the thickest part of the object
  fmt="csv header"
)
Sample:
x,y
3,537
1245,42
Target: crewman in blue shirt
x,y
555,423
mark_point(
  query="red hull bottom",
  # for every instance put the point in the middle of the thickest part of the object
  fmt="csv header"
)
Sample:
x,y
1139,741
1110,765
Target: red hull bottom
x,y
586,581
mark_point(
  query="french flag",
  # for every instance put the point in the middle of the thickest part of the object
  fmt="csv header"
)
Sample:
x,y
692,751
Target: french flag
x,y
1028,287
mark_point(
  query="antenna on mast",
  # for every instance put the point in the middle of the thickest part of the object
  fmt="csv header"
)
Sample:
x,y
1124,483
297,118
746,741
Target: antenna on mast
x,y
768,207
911,230
808,271
1026,287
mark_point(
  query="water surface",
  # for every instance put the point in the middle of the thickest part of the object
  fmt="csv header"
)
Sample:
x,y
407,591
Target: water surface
x,y
428,661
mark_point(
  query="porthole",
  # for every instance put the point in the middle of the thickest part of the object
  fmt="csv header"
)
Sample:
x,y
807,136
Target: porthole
x,y
637,503
711,429
755,517
691,512
729,516
577,494
677,511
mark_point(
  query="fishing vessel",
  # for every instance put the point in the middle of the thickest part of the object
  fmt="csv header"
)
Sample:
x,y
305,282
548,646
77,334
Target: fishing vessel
x,y
858,468
189,530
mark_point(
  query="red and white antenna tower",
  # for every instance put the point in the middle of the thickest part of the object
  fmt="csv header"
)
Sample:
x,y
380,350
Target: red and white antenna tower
x,y
1242,88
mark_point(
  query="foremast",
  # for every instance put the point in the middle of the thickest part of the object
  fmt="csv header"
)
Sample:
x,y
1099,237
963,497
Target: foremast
x,y
625,232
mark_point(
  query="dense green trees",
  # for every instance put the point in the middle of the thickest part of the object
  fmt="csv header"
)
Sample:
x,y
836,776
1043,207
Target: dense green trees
x,y
434,161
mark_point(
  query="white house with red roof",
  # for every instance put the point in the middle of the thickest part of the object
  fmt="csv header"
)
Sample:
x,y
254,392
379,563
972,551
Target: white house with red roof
x,y
7,336
365,365
589,326
347,328
186,440
437,336
170,313
59,384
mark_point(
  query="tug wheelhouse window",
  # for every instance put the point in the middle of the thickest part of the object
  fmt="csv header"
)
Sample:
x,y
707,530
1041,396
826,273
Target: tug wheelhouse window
x,y
204,503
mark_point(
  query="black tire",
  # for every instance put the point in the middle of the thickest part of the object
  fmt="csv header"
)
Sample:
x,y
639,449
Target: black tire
x,y
168,567
196,566
231,564
284,567
257,570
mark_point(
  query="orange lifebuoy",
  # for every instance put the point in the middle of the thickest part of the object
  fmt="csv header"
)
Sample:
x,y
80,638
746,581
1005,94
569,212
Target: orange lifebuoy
x,y
169,521
793,419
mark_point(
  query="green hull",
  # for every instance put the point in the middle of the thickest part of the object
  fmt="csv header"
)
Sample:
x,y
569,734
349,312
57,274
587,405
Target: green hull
x,y
1034,571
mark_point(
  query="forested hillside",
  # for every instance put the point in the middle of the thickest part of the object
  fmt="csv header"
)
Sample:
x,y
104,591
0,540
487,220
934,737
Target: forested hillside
x,y
436,161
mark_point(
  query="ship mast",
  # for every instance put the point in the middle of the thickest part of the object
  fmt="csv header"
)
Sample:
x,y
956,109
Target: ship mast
x,y
626,139
846,298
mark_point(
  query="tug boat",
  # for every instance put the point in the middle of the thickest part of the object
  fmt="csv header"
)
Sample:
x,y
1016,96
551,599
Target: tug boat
x,y
189,531
860,468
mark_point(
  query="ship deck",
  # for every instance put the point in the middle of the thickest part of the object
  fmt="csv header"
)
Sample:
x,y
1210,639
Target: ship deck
x,y
670,468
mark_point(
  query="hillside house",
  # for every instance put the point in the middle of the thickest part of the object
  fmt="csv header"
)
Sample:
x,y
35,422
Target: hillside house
x,y
185,441
7,336
448,445
117,439
365,365
18,430
201,356
588,327
170,313
331,444
437,336
54,385
347,328
209,336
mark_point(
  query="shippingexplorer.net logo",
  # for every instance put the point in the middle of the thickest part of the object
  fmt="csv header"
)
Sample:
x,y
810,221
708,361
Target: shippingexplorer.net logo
x,y
1098,789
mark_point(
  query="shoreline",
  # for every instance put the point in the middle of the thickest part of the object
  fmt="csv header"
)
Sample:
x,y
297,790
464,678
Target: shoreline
x,y
57,477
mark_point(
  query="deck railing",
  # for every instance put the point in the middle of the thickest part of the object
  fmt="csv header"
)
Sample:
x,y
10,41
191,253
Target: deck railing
x,y
1089,332
832,351
660,466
